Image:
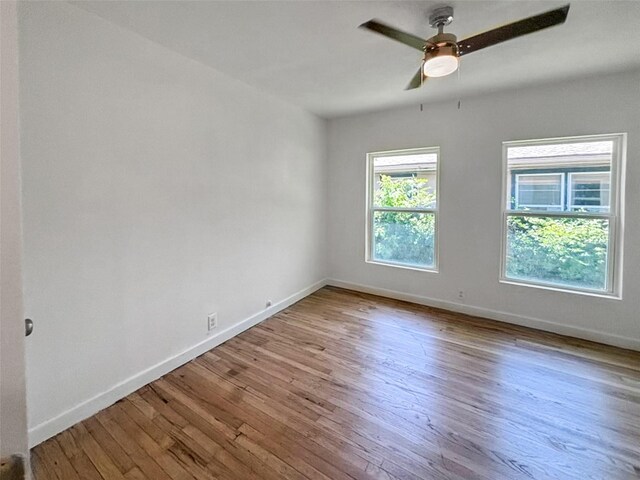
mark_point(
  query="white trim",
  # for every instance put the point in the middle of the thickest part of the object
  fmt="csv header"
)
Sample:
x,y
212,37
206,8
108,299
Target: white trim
x,y
524,321
406,266
555,213
556,287
93,405
404,210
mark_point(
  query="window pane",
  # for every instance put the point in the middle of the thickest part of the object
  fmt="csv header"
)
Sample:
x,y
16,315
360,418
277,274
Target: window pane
x,y
537,175
543,192
405,181
590,191
403,237
558,251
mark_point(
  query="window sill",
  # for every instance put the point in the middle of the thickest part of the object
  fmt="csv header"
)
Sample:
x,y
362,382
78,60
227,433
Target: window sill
x,y
403,266
588,293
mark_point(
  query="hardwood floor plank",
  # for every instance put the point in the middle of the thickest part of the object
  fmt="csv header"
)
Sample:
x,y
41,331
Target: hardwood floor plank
x,y
250,409
122,430
401,408
100,460
350,386
135,474
570,413
41,467
118,456
160,402
77,456
57,461
222,455
216,431
273,412
336,443
416,444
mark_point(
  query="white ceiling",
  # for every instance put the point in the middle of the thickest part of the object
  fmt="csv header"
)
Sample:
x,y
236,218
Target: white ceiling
x,y
310,53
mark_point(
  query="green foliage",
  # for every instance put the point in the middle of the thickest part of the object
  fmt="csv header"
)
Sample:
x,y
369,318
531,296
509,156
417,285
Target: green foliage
x,y
405,192
404,237
570,251
566,251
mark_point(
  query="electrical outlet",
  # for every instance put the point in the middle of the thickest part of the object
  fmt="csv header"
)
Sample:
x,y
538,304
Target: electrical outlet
x,y
268,303
212,321
460,294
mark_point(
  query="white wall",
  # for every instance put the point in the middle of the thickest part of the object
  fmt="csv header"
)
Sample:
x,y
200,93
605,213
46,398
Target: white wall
x,y
13,412
156,190
470,221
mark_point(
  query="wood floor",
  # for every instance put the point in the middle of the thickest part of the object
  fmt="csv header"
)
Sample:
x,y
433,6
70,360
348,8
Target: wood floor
x,y
351,386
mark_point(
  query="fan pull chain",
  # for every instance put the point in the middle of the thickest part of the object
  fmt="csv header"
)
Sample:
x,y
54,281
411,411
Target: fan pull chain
x,y
459,69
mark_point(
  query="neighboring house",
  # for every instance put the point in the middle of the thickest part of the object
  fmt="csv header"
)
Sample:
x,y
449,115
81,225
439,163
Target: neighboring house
x,y
554,177
559,178
405,166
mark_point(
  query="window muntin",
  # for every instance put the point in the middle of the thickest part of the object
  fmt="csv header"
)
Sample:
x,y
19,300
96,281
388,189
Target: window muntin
x,y
564,237
402,208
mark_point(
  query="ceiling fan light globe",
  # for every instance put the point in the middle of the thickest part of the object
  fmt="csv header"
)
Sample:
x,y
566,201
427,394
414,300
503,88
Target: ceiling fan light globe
x,y
440,65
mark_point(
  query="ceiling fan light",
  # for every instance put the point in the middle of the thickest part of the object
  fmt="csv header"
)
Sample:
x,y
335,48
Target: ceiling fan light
x,y
440,65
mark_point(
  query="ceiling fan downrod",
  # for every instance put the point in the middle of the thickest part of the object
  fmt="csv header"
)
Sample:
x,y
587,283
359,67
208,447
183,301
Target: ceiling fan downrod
x,y
441,17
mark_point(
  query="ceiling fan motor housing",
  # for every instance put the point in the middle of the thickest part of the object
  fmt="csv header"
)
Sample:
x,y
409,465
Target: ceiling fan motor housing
x,y
441,44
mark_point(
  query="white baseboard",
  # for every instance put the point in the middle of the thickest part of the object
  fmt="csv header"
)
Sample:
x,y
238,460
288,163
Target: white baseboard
x,y
537,323
89,407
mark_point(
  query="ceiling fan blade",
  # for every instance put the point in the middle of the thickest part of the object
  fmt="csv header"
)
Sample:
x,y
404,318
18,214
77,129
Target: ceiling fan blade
x,y
513,30
395,34
418,79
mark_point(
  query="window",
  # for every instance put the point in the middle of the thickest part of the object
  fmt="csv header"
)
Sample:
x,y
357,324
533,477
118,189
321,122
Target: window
x,y
590,191
561,213
402,208
540,190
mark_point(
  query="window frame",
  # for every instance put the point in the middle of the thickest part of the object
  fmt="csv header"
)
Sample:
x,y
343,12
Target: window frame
x,y
548,174
615,216
371,208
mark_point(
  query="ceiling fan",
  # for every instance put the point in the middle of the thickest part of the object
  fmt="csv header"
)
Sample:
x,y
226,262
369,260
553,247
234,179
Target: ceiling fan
x,y
442,51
